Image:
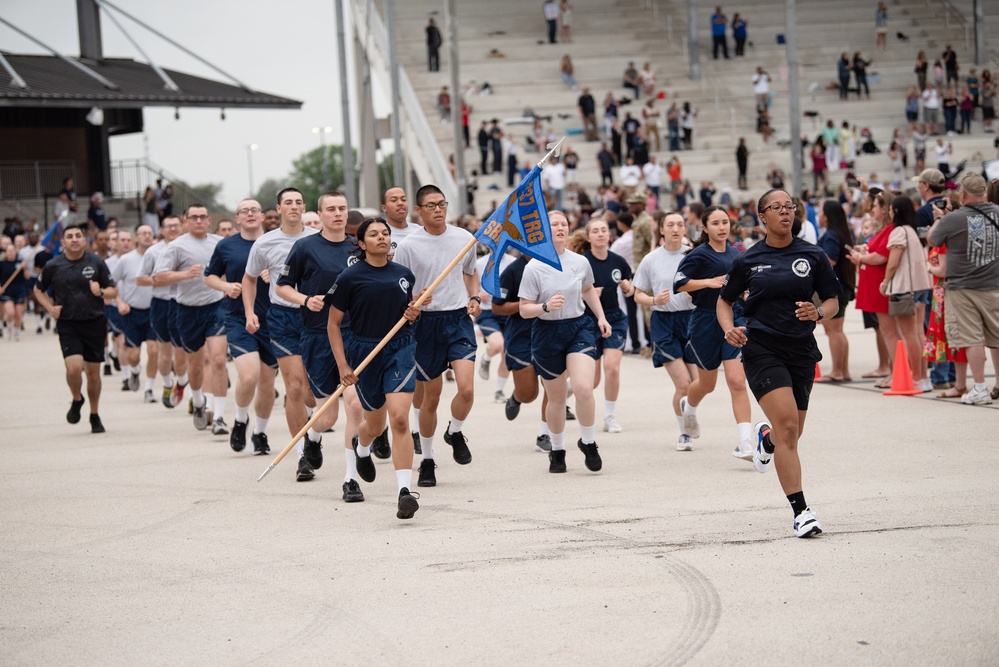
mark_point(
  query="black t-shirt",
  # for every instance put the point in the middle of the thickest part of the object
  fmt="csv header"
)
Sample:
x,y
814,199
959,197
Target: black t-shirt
x,y
229,260
586,104
510,284
68,282
607,273
375,297
312,267
776,279
42,257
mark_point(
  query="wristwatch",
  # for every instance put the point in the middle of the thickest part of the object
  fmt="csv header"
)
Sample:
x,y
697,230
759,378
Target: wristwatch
x,y
475,297
818,309
544,306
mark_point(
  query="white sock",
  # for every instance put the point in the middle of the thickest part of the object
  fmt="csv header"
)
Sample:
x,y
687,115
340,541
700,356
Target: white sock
x,y
980,387
586,434
427,445
610,408
137,370
485,355
558,441
543,429
679,422
364,451
689,409
350,470
242,413
126,370
404,478
455,425
149,384
501,382
219,408
309,411
415,421
198,398
182,380
745,431
315,436
261,425
167,380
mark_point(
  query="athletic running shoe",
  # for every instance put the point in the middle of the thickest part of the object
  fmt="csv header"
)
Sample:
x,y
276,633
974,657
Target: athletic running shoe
x,y
126,385
806,525
417,447
569,417
407,504
167,398
73,416
977,397
177,393
133,382
148,396
107,370
543,443
313,452
924,386
219,427
556,460
200,418
459,446
744,450
484,367
995,393
190,405
449,375
512,408
683,443
381,447
593,462
95,424
365,466
304,473
237,438
761,457
352,492
690,424
427,475
115,363
499,397
611,425
260,445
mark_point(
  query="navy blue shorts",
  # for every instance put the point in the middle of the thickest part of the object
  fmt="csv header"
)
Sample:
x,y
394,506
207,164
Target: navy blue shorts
x,y
285,327
771,362
136,327
175,324
159,319
517,343
553,340
619,333
243,342
442,337
320,366
392,371
489,323
706,340
197,323
16,293
669,337
115,320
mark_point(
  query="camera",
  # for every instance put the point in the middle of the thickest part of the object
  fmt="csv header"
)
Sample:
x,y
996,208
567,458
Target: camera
x,y
853,183
941,204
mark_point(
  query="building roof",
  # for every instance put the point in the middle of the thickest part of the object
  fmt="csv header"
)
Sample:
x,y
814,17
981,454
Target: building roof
x,y
53,82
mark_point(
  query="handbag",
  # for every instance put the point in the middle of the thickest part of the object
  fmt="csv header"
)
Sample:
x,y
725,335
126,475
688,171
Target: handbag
x,y
904,303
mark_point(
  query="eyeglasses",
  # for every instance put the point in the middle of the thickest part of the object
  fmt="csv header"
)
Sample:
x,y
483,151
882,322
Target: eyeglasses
x,y
248,211
433,206
197,218
778,208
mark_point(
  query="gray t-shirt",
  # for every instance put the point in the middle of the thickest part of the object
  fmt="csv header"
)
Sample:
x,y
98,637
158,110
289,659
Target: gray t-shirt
x,y
541,282
426,255
181,255
398,234
124,275
972,241
148,268
656,273
270,252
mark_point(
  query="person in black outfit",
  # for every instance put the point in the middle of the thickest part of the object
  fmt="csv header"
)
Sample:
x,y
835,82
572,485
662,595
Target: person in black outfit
x,y
434,42
496,144
606,161
742,159
860,73
484,148
78,281
779,353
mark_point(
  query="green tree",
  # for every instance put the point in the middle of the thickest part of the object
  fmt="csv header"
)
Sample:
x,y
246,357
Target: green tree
x,y
307,173
267,192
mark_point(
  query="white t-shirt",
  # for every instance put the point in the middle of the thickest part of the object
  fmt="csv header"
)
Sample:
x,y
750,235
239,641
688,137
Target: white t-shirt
x,y
653,174
148,268
943,153
554,175
124,275
625,247
761,84
656,273
399,233
631,175
427,255
270,252
182,254
541,282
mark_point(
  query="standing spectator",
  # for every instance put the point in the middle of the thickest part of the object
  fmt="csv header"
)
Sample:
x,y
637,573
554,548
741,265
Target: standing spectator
x,y
830,137
465,113
837,242
434,42
444,104
610,112
881,26
149,216
588,112
567,70
653,172
707,193
616,138
631,81
673,127
571,161
950,106
860,72
565,19
484,148
949,58
967,107
496,144
912,107
818,165
848,143
739,34
647,79
742,160
843,68
931,108
988,101
641,152
920,70
631,177
943,156
687,116
938,73
510,147
651,116
631,126
761,88
719,23
554,178
606,163
550,9
973,86
919,147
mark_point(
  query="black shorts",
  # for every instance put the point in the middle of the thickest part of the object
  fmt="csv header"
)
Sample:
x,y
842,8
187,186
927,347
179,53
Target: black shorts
x,y
844,301
870,320
771,363
84,337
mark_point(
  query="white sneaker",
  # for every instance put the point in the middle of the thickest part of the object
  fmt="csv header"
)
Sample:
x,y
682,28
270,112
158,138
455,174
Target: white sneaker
x,y
924,386
806,525
977,397
484,367
744,450
690,424
761,458
683,444
611,425
499,397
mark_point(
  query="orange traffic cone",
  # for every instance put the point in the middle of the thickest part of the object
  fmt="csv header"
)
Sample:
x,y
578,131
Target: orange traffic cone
x,y
901,379
818,371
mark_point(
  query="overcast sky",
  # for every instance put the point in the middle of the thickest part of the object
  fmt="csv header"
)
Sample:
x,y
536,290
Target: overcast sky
x,y
287,49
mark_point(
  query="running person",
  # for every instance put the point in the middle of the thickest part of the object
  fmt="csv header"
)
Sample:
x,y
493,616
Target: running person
x,y
702,274
13,294
133,305
375,293
491,326
79,281
670,313
781,273
563,340
444,333
395,207
252,354
106,247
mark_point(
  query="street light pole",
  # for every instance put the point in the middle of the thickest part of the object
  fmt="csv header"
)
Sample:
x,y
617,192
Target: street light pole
x,y
322,131
249,164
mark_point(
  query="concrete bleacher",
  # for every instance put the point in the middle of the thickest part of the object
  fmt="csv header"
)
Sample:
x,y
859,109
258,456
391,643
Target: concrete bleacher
x,y
606,35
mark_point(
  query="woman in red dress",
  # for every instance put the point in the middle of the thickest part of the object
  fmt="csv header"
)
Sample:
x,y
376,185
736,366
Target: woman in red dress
x,y
871,259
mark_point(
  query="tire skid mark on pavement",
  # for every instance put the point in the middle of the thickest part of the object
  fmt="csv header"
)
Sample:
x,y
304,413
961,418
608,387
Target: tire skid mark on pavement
x,y
200,507
283,651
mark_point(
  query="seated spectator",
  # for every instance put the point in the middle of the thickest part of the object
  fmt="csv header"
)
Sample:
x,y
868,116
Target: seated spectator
x,y
647,79
631,81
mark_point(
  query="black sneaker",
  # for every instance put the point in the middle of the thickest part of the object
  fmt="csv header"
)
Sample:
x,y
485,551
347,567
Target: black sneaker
x,y
107,370
512,408
427,475
593,461
352,492
125,386
260,445
237,438
73,416
381,447
543,443
200,417
304,471
116,363
556,460
417,447
407,504
569,417
95,424
313,452
459,445
365,466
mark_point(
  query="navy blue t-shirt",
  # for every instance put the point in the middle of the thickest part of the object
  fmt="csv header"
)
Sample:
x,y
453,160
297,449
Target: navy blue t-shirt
x,y
229,261
510,284
834,250
607,273
777,278
374,297
313,266
699,264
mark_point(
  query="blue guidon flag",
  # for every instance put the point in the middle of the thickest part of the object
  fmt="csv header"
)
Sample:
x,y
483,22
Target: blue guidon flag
x,y
52,241
520,222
